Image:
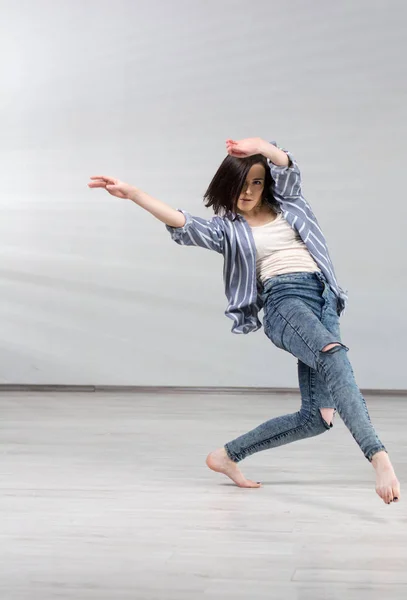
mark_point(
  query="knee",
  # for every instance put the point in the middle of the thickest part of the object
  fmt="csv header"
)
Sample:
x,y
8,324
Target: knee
x,y
331,348
313,424
328,416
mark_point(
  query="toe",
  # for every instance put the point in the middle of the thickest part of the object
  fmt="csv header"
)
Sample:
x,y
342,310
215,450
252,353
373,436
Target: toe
x,y
383,493
254,484
388,496
251,484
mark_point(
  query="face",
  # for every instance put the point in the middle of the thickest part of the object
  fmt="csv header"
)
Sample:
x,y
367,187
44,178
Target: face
x,y
250,198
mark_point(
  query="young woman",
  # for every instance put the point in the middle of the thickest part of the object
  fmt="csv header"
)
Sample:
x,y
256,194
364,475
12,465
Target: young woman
x,y
276,258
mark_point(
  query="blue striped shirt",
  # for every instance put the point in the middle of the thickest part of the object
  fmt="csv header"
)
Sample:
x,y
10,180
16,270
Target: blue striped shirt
x,y
234,239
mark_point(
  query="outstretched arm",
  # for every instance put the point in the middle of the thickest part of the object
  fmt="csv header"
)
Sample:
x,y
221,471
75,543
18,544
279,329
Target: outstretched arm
x,y
161,211
199,232
184,228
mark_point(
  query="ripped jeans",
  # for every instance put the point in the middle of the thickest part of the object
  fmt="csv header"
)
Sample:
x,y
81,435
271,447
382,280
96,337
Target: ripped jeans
x,y
301,317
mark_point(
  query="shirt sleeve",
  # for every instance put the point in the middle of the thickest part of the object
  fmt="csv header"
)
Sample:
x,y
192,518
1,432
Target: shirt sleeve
x,y
199,232
286,180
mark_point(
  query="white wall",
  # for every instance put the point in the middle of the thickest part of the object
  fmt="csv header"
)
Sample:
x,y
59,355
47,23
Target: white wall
x,y
93,290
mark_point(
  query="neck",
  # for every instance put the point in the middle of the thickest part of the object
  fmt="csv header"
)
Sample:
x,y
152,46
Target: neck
x,y
258,211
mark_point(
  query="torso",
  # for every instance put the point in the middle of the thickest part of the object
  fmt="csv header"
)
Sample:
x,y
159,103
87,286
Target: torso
x,y
279,248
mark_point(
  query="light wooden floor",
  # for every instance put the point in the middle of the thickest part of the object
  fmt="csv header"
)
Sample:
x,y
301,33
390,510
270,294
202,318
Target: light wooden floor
x,y
107,496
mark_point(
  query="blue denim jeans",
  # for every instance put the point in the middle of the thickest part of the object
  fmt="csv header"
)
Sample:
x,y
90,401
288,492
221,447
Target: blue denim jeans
x,y
301,317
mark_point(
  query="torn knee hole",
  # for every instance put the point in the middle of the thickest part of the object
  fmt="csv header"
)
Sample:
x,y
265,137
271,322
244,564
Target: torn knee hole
x,y
334,347
328,415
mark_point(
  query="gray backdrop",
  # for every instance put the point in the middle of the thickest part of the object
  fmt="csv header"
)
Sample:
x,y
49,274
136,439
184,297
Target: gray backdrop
x,y
93,290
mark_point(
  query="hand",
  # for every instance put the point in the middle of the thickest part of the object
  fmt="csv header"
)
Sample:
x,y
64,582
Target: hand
x,y
244,148
115,187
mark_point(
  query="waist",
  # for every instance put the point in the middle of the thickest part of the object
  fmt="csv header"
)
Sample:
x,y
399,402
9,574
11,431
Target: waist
x,y
306,276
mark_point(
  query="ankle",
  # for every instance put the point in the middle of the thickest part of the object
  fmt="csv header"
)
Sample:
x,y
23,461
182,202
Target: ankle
x,y
381,460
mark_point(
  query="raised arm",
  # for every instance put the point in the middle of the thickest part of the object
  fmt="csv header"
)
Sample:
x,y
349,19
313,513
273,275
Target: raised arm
x,y
285,172
283,167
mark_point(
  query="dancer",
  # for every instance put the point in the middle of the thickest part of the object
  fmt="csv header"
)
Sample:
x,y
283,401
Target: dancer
x,y
276,258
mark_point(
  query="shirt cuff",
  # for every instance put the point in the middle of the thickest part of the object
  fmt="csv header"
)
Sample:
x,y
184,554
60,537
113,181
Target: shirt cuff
x,y
278,169
177,232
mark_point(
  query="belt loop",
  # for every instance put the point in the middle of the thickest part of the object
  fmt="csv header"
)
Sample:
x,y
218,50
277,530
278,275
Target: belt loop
x,y
321,278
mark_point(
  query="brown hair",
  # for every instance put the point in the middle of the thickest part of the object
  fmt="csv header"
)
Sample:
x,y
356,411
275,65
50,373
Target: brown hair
x,y
226,186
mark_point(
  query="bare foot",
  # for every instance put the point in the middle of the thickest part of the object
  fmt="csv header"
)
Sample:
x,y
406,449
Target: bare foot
x,y
220,462
387,485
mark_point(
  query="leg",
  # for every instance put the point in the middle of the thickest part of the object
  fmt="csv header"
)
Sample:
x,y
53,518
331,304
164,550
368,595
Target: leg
x,y
295,328
387,485
309,378
328,415
312,419
309,421
305,423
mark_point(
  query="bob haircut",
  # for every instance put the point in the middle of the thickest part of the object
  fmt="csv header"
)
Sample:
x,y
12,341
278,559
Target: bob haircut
x,y
225,188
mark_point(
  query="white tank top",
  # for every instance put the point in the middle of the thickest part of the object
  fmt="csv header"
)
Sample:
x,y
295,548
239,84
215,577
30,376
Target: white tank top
x,y
280,250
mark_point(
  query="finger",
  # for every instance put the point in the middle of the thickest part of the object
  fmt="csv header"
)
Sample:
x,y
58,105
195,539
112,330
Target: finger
x,y
103,177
